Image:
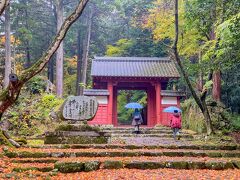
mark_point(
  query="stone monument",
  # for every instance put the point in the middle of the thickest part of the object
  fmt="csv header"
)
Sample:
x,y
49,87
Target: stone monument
x,y
77,109
80,108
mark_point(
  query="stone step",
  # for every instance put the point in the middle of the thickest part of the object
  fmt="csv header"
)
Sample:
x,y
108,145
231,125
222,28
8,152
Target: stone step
x,y
35,160
141,131
123,146
31,167
109,133
92,165
185,136
132,128
51,160
75,137
120,153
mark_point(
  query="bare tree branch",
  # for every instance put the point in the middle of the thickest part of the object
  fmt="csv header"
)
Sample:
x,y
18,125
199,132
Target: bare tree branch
x,y
3,5
8,96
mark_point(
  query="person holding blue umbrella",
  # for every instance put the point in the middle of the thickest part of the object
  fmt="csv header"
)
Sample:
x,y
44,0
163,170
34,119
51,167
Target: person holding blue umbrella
x,y
137,117
137,120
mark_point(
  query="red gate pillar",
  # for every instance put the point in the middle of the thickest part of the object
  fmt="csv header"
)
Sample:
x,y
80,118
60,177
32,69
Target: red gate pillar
x,y
110,103
150,114
158,102
114,116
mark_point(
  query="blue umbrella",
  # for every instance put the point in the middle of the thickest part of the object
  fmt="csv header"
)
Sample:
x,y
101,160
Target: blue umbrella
x,y
134,105
171,109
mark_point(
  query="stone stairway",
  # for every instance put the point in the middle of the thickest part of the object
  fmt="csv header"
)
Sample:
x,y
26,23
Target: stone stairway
x,y
77,158
160,135
80,134
144,153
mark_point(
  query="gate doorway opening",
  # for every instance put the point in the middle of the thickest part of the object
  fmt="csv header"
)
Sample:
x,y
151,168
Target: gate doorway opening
x,y
124,115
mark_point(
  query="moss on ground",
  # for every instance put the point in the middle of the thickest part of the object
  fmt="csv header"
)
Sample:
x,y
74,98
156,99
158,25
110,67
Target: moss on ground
x,y
75,140
35,161
11,154
145,165
91,166
26,154
219,165
196,165
42,169
69,167
177,164
4,140
236,164
35,142
112,164
21,141
82,127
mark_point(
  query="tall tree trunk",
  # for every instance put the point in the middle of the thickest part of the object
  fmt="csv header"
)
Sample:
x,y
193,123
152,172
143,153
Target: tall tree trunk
x,y
85,54
28,57
8,63
3,5
59,56
200,76
216,89
207,117
51,70
216,92
200,101
79,60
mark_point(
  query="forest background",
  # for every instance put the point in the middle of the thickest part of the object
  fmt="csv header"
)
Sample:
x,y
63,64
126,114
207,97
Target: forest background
x,y
209,41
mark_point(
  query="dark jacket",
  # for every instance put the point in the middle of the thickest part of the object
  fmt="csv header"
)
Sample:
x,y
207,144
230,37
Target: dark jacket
x,y
137,118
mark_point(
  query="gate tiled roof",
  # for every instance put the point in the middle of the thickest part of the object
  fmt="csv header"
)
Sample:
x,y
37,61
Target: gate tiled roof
x,y
134,67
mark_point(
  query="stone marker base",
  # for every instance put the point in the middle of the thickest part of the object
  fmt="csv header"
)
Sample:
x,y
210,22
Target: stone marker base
x,y
76,134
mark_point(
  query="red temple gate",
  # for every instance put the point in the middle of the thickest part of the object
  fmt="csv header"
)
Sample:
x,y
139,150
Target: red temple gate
x,y
111,74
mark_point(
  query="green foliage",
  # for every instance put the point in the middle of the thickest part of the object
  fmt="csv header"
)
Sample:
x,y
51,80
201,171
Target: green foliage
x,y
208,84
122,45
231,88
69,84
49,101
192,117
34,30
4,140
222,119
235,123
29,115
36,85
228,32
125,97
24,34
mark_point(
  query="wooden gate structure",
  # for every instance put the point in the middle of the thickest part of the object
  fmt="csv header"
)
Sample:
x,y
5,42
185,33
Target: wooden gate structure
x,y
151,74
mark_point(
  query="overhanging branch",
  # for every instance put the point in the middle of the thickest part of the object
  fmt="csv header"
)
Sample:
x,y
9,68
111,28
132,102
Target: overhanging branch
x,y
3,5
7,96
